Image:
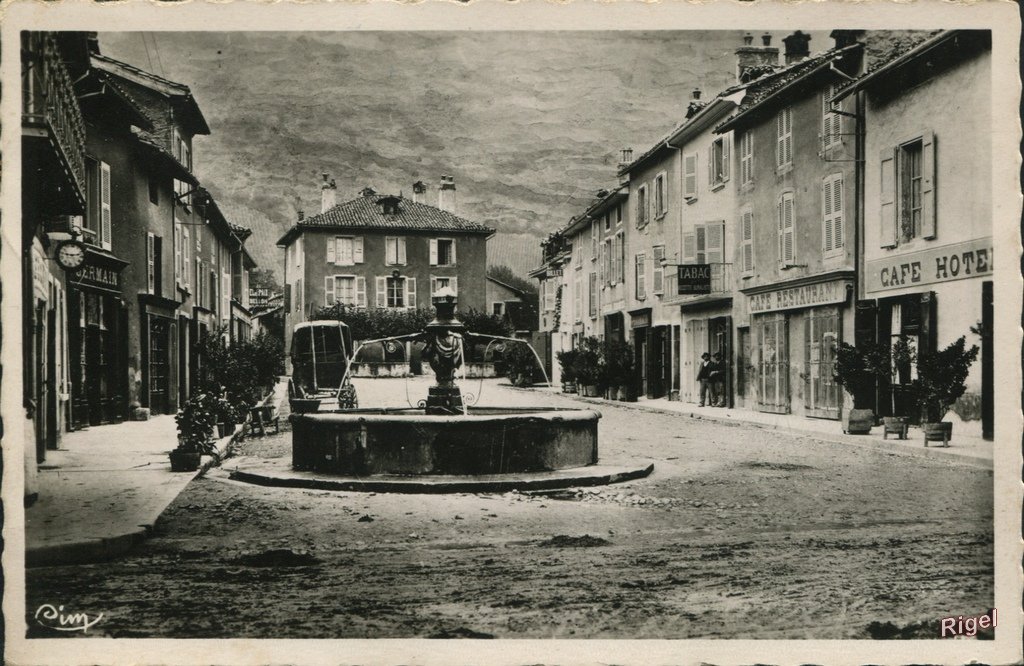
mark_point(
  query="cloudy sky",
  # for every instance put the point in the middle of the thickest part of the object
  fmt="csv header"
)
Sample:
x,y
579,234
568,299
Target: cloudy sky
x,y
530,124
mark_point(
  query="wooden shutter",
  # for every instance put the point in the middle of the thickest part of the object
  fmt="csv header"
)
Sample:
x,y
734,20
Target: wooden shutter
x,y
658,277
150,263
828,234
789,255
689,247
433,252
410,292
838,223
332,256
454,283
454,260
186,255
329,290
780,149
105,230
382,293
593,240
401,251
357,250
702,243
928,185
788,139
593,294
433,285
714,242
361,291
747,234
640,274
726,158
690,176
887,198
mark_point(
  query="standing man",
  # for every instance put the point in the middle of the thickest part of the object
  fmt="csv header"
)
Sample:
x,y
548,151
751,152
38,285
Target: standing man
x,y
718,381
704,376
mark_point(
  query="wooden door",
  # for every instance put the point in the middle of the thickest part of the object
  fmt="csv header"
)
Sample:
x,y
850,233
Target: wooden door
x,y
821,336
159,364
773,364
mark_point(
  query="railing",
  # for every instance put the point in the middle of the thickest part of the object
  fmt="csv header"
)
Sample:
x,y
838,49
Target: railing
x,y
721,278
721,283
49,100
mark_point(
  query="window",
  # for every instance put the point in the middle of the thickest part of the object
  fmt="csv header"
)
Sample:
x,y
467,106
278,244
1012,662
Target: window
x,y
150,263
618,214
345,289
640,273
299,295
442,252
831,122
577,251
608,221
784,138
746,158
690,176
183,154
394,251
616,259
641,207
606,258
396,292
186,256
549,294
621,256
832,213
705,244
592,294
660,206
200,291
594,235
497,308
785,214
437,283
718,162
578,301
907,193
344,250
747,241
154,190
658,275
910,190
104,212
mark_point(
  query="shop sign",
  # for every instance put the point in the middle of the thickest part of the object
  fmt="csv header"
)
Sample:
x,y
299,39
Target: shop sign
x,y
931,266
640,320
694,279
97,277
555,272
804,296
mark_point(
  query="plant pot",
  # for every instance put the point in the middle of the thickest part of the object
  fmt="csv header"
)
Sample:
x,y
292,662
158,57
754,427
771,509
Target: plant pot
x,y
630,393
937,432
590,390
620,393
895,425
304,405
225,429
858,421
609,393
184,461
568,387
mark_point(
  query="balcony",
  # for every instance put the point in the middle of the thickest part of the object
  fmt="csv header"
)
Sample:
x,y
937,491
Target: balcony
x,y
49,107
719,285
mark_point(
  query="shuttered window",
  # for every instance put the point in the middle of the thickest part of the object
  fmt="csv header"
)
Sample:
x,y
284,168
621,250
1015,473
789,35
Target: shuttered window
x,y
784,137
785,223
832,213
437,283
746,158
105,221
594,229
907,191
831,122
660,200
718,162
641,207
150,263
690,176
592,294
394,250
186,256
640,275
747,241
658,270
578,300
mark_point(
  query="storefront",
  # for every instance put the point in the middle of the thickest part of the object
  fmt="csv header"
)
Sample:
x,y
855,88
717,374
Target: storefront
x,y
929,298
788,351
97,323
706,331
158,328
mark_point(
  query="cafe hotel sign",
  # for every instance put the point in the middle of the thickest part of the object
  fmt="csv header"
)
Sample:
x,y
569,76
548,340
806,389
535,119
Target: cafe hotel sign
x,y
804,296
930,266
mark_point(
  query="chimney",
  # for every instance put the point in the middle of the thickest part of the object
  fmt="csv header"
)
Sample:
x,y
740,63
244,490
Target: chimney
x,y
844,38
328,193
754,61
302,215
797,47
419,191
446,194
367,192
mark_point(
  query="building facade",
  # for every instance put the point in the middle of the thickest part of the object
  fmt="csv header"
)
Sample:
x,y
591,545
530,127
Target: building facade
x,y
381,251
928,226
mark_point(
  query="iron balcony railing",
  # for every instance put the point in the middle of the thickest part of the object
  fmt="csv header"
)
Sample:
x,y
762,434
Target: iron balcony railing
x,y
49,100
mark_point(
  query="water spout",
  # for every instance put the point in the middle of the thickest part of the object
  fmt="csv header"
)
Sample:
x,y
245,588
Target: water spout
x,y
355,353
540,363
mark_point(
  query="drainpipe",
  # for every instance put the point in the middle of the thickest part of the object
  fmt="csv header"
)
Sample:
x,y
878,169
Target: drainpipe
x,y
677,380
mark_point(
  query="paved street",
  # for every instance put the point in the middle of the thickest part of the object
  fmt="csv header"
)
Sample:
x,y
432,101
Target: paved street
x,y
741,532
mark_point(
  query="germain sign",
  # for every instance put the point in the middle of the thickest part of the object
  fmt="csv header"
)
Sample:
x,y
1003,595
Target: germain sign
x,y
694,279
931,265
804,296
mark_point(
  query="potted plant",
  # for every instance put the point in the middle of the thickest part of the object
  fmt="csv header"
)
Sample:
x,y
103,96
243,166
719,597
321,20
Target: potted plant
x,y
619,364
941,380
566,361
888,362
520,365
853,372
226,414
196,420
588,366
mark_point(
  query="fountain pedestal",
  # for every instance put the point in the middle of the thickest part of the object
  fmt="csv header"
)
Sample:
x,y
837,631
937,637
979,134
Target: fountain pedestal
x,y
443,351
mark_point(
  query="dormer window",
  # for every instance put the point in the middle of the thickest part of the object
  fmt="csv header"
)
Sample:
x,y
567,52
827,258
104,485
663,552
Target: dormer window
x,y
390,205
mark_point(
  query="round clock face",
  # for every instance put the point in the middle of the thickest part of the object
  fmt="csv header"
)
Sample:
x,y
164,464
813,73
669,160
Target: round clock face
x,y
70,255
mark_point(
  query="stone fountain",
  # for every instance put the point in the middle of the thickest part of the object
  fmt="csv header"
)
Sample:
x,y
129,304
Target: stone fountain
x,y
443,444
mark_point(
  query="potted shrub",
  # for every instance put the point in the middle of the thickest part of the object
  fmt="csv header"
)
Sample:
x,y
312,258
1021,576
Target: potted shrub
x,y
941,380
887,362
853,372
520,365
588,366
567,361
619,363
196,420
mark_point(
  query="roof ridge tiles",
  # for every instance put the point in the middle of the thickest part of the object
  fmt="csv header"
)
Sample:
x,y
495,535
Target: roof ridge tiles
x,y
142,72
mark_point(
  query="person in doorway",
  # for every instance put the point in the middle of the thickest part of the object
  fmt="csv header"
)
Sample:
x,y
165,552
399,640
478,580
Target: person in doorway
x,y
717,381
707,388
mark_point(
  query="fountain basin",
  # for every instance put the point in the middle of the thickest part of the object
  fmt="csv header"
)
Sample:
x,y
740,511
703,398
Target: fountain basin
x,y
491,440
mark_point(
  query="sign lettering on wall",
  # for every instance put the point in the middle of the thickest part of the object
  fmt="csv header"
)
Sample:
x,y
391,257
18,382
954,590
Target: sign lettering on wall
x,y
99,277
930,266
694,279
804,296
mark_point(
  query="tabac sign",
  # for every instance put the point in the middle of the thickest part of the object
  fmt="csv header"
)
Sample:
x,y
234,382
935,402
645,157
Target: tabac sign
x,y
804,296
929,266
694,279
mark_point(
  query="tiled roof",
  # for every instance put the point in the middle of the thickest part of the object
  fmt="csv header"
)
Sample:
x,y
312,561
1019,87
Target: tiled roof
x,y
365,213
109,64
149,141
240,231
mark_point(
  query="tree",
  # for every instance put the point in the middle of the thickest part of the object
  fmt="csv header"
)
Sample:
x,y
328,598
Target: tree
x,y
505,274
265,278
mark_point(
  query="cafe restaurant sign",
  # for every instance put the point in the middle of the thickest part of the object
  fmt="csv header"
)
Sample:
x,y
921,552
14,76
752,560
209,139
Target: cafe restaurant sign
x,y
804,296
931,265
